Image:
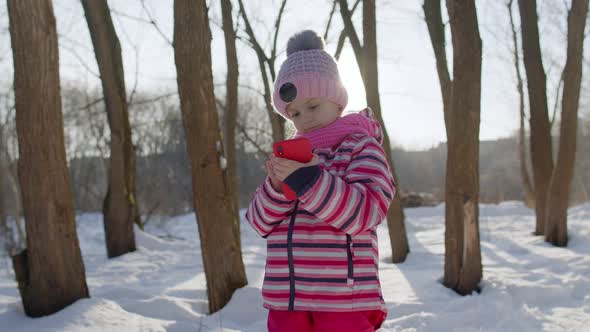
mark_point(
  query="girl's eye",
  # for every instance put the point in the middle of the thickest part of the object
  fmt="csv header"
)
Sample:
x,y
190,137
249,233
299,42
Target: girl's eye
x,y
295,115
314,107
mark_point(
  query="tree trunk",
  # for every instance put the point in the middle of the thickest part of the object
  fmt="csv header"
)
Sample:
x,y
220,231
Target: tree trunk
x,y
50,272
120,204
561,180
222,256
541,146
529,193
231,105
395,214
463,269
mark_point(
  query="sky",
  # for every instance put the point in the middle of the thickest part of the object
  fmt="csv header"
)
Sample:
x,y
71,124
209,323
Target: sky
x,y
410,94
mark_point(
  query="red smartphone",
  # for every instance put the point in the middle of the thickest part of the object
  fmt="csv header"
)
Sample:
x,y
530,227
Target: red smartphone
x,y
298,149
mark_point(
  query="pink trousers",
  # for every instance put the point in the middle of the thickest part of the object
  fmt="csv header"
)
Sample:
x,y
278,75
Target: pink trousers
x,y
315,321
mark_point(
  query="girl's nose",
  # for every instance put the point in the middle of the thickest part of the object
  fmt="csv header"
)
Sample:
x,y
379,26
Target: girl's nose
x,y
307,117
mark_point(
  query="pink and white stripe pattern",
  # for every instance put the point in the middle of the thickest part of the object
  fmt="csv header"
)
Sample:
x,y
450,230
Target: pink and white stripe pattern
x,y
322,252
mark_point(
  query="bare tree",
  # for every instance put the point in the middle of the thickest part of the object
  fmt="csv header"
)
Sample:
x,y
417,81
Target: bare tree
x,y
561,179
222,256
267,63
366,56
120,204
524,173
50,272
463,269
540,145
231,102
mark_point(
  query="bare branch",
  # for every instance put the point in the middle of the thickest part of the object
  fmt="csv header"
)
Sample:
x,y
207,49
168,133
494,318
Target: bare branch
x,y
152,100
342,37
153,22
253,41
557,94
273,54
216,23
340,45
245,86
135,79
80,60
97,129
136,51
90,104
354,7
243,131
131,17
350,31
263,60
330,21
150,211
436,30
220,104
78,44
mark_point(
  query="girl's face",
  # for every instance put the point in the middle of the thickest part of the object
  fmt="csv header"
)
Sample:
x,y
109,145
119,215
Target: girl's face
x,y
313,113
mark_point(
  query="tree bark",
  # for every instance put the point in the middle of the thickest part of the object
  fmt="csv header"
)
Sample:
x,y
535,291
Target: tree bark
x,y
561,180
231,104
222,256
529,193
50,272
541,145
463,269
120,209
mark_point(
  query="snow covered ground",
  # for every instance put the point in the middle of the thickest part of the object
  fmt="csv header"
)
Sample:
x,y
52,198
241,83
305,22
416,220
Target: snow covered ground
x,y
528,285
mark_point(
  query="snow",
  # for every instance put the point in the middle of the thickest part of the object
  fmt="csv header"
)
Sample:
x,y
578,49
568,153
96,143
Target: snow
x,y
528,285
223,162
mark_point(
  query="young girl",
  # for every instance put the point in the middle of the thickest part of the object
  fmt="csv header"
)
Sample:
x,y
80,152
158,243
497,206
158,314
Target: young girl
x,y
322,253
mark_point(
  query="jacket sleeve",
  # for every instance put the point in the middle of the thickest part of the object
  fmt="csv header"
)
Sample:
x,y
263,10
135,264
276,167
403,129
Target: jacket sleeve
x,y
359,200
268,208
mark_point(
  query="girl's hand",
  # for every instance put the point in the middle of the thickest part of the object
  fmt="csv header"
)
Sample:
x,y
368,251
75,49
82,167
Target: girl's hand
x,y
276,183
284,167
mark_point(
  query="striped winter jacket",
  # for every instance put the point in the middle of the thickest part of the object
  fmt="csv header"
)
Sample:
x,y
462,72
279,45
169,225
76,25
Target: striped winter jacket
x,y
322,252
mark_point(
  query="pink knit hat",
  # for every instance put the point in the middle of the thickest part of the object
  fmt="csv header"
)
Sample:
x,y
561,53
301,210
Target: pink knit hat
x,y
308,72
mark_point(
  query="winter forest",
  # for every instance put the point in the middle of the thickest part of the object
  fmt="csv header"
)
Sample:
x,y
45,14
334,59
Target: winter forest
x,y
135,134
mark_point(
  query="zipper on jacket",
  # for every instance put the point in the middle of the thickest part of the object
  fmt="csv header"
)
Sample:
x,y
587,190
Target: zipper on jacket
x,y
290,258
350,277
